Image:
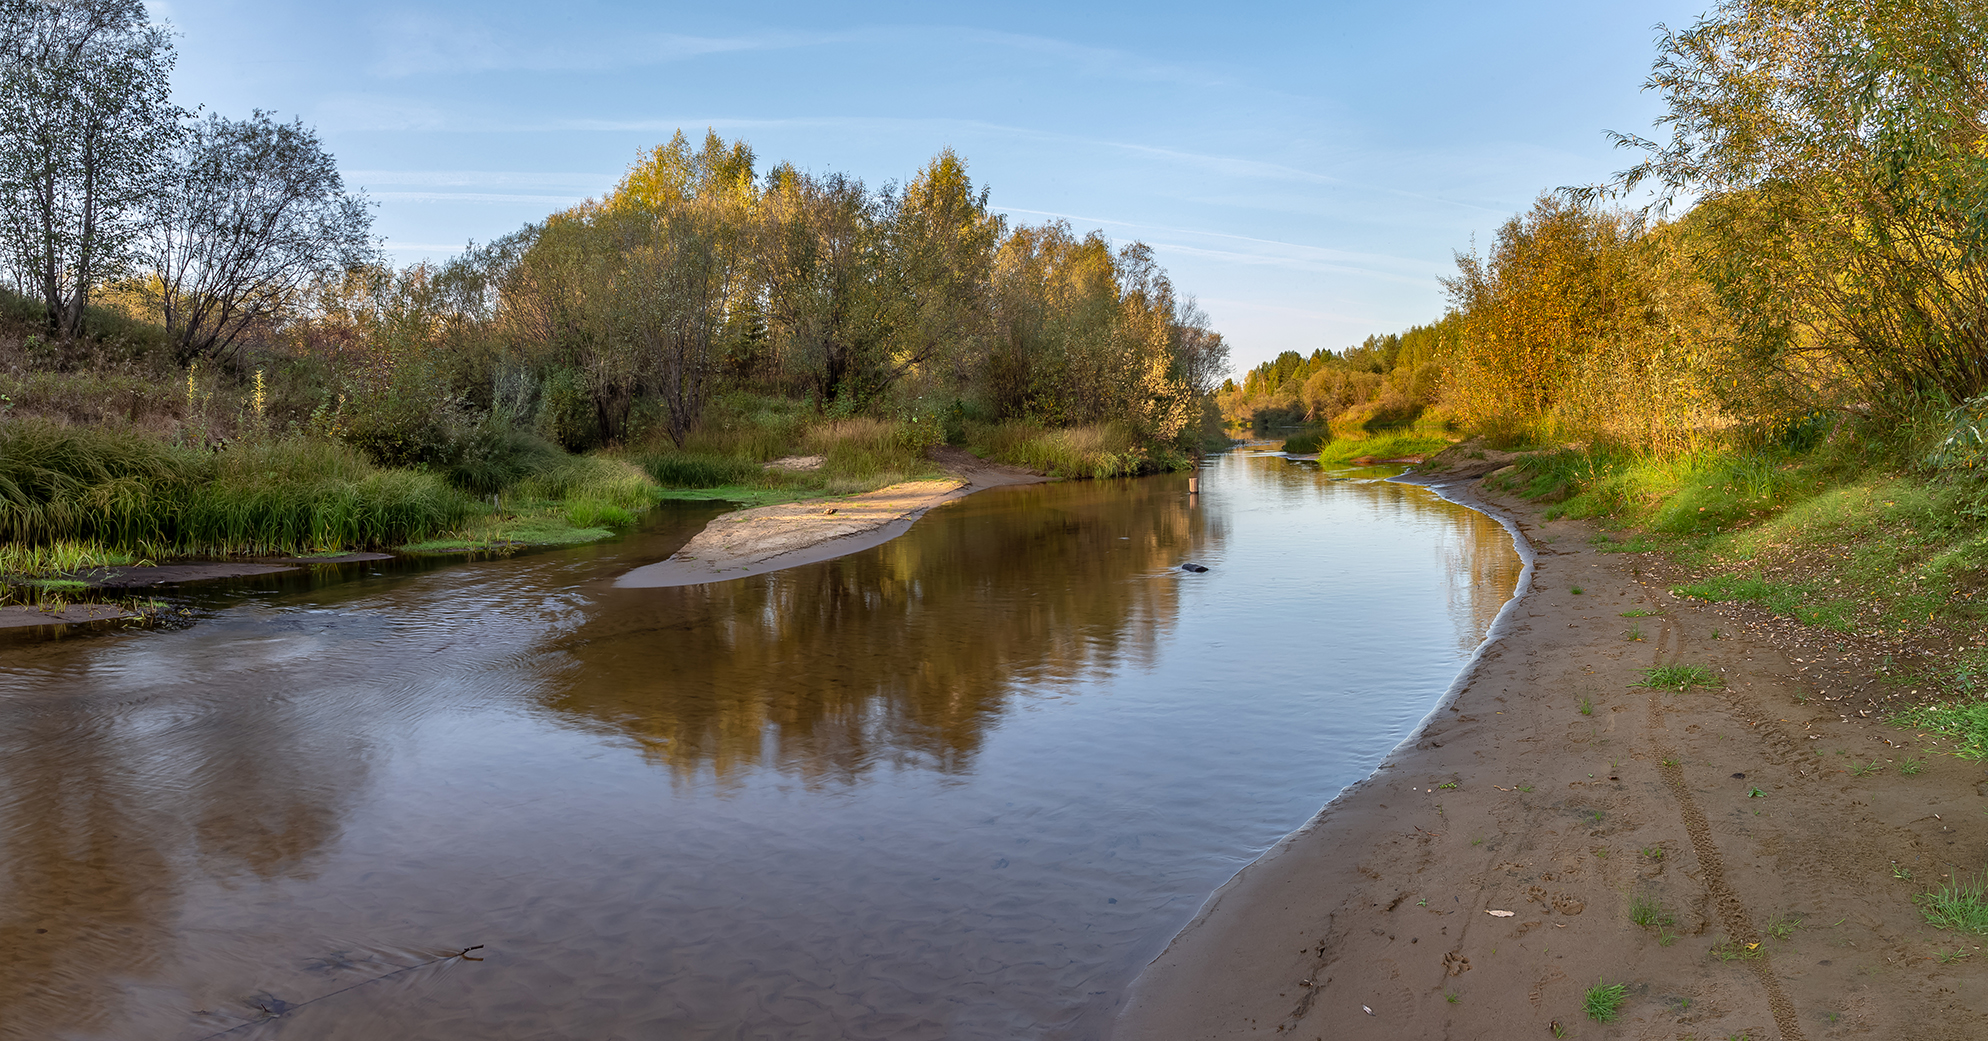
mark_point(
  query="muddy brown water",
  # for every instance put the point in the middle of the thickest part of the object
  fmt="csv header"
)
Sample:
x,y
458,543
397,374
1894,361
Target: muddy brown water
x,y
962,785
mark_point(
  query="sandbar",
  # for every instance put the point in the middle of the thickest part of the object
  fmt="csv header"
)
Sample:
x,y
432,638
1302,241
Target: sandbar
x,y
756,541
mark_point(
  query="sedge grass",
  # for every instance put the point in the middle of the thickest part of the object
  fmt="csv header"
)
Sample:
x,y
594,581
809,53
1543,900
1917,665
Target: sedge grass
x,y
1603,1001
117,489
1962,905
1680,678
1096,451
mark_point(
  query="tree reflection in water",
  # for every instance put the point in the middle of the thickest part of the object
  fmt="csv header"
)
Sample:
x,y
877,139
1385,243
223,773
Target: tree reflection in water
x,y
905,655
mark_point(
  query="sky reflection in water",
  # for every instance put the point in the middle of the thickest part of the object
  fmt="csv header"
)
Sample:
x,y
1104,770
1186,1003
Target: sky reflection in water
x,y
961,785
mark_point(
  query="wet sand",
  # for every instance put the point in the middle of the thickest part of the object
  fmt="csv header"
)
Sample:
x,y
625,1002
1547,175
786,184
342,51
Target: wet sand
x,y
771,538
25,616
1482,879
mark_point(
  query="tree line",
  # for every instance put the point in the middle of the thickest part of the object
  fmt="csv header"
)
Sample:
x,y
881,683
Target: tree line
x,y
617,320
1812,241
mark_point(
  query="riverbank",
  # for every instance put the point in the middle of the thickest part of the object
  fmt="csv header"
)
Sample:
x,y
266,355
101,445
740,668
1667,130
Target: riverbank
x,y
783,535
1743,859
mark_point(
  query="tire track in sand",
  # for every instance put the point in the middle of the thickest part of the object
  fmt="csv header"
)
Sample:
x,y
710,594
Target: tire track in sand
x,y
1732,910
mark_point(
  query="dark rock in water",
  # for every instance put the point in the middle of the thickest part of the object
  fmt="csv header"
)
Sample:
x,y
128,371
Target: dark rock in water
x,y
1196,568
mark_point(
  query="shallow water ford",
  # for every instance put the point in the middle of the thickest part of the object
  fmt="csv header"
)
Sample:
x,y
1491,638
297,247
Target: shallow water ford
x,y
963,785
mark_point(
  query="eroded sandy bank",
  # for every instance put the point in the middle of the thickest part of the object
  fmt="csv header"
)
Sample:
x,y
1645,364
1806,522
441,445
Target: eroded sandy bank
x,y
1768,824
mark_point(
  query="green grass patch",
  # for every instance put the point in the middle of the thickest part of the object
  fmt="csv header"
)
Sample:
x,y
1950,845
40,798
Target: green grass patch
x,y
1647,913
1387,444
682,470
1963,722
1962,905
59,558
1680,678
61,484
1603,1001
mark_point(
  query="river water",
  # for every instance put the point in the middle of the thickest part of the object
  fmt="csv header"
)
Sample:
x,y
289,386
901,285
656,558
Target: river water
x,y
963,785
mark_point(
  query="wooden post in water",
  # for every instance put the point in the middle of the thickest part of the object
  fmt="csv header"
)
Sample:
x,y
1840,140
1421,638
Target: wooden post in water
x,y
1194,485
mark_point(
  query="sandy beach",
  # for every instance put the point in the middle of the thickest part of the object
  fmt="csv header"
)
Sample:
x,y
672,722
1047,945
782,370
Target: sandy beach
x,y
1771,832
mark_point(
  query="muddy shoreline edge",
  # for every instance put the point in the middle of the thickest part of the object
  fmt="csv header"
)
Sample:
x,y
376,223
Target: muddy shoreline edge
x,y
1490,870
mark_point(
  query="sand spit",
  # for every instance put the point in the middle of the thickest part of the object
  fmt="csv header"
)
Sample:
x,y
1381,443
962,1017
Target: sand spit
x,y
1767,825
770,538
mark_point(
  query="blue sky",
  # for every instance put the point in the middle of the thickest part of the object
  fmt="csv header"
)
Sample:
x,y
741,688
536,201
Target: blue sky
x,y
1304,170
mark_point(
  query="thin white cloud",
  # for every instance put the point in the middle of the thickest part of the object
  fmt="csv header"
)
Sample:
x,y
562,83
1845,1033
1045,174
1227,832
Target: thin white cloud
x,y
419,44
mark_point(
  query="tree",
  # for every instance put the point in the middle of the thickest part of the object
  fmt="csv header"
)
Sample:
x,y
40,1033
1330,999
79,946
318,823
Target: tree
x,y
1838,156
819,260
85,122
939,246
682,222
1556,283
249,213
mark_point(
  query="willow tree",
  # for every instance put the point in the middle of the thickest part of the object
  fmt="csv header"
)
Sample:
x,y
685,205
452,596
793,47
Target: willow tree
x,y
1838,159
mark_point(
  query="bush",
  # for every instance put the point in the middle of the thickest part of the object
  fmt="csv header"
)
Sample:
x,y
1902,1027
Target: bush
x,y
496,455
679,470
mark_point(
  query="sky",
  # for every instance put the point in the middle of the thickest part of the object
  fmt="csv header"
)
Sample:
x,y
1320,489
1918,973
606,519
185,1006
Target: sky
x,y
1306,171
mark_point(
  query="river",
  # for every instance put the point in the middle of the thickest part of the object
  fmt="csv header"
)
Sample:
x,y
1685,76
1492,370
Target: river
x,y
962,785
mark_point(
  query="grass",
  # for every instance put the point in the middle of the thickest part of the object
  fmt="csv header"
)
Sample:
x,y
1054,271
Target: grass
x,y
1782,927
1680,678
1306,443
1603,1001
1097,451
60,558
1966,723
1587,706
1961,905
1647,913
117,489
1633,633
1911,767
684,470
1730,950
1392,444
